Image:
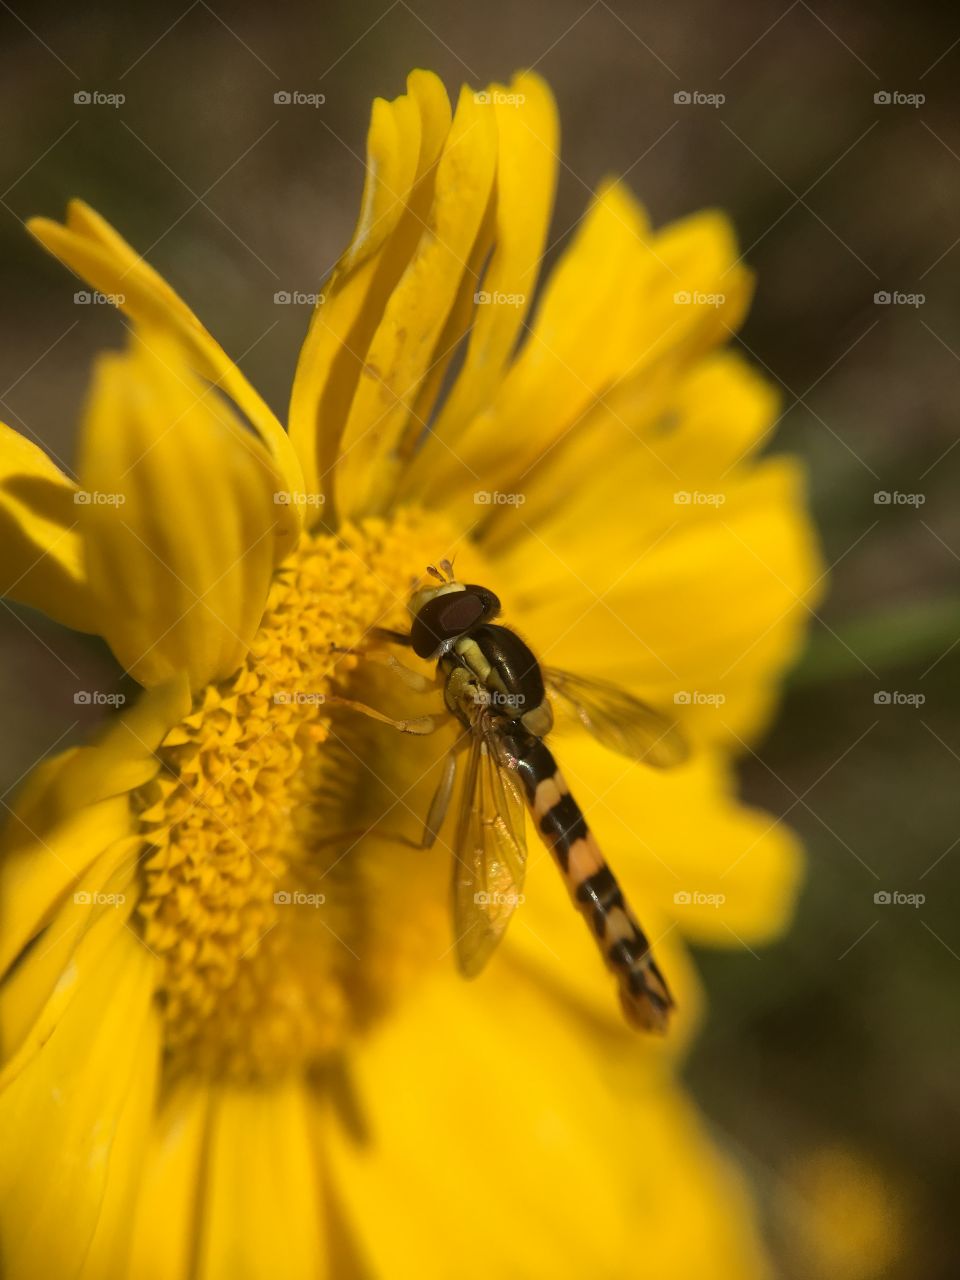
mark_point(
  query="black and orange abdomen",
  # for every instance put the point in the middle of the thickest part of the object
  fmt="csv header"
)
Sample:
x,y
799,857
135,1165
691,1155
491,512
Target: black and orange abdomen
x,y
593,887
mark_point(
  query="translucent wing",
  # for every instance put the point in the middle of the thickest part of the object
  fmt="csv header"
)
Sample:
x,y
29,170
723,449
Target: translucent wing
x,y
489,856
619,720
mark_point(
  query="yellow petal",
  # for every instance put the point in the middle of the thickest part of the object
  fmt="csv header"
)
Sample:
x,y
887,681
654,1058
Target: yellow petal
x,y
514,1126
699,611
107,886
403,143
675,434
72,809
404,345
528,140
166,1219
680,841
89,246
74,1120
109,1253
262,1203
624,315
550,944
580,341
703,294
185,522
41,548
37,875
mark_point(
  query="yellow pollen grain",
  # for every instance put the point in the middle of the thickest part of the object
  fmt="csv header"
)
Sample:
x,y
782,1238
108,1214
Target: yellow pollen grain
x,y
253,933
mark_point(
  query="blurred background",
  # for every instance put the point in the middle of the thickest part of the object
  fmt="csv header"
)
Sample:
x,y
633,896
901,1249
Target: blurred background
x,y
829,1062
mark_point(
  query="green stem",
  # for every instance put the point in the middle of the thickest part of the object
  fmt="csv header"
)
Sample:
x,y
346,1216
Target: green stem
x,y
881,641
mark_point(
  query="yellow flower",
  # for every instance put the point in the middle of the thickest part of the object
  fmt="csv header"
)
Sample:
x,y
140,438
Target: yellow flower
x,y
233,1041
845,1218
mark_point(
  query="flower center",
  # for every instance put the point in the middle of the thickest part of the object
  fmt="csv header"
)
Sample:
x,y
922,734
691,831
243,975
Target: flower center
x,y
281,891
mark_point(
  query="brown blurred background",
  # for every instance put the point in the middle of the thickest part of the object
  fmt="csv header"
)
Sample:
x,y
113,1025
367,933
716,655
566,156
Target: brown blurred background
x,y
837,1049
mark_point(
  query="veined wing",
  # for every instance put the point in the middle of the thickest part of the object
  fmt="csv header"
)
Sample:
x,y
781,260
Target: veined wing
x,y
489,856
620,721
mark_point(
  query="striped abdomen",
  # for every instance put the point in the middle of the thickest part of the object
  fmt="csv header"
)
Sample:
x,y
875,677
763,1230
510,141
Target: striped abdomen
x,y
593,887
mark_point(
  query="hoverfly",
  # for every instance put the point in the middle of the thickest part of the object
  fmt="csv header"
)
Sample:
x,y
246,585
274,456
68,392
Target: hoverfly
x,y
498,691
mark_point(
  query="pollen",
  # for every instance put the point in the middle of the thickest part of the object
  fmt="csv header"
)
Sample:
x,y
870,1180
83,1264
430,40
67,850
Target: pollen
x,y
255,892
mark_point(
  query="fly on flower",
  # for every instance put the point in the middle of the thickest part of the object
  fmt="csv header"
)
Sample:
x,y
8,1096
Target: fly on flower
x,y
496,688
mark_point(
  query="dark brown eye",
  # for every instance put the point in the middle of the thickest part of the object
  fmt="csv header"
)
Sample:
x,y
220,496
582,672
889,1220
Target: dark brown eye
x,y
446,617
491,604
460,613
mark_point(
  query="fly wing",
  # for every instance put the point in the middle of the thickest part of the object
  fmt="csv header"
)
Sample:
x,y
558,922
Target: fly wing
x,y
489,856
620,721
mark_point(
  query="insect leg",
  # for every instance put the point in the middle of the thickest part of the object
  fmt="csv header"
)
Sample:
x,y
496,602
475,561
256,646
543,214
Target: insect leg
x,y
414,680
416,724
390,636
441,800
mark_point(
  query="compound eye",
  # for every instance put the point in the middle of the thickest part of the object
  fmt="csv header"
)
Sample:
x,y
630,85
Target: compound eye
x,y
491,604
461,612
445,618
